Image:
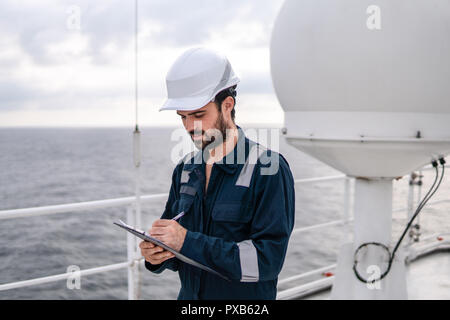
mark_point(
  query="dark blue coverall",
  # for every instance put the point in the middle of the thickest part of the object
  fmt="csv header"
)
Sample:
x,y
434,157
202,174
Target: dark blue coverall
x,y
240,227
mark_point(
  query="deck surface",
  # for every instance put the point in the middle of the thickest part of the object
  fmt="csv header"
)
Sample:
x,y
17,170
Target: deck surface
x,y
427,278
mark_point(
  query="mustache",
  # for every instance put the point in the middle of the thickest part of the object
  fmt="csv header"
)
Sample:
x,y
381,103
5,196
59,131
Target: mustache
x,y
193,132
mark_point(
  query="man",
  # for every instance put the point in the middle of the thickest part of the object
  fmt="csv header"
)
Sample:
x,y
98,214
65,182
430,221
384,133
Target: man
x,y
238,211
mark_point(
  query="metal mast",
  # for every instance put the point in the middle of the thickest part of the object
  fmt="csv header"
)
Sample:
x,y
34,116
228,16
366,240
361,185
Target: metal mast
x,y
134,216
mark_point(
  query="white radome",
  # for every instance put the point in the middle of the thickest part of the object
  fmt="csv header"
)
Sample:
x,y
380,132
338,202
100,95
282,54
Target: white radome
x,y
365,85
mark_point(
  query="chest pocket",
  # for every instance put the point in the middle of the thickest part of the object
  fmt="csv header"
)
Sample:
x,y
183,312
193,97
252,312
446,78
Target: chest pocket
x,y
187,197
231,211
231,220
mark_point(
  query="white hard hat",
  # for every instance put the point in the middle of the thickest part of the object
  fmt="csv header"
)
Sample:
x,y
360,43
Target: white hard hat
x,y
195,78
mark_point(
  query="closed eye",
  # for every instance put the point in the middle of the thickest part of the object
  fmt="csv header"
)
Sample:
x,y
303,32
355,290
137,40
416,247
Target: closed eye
x,y
196,115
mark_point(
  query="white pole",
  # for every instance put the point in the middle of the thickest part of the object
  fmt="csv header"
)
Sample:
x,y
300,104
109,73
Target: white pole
x,y
347,199
372,223
130,256
137,159
137,177
373,211
137,205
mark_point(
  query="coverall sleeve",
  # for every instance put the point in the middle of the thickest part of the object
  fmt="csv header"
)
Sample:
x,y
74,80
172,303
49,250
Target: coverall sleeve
x,y
172,263
261,257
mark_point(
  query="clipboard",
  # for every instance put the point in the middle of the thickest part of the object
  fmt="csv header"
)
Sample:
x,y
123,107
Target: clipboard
x,y
146,237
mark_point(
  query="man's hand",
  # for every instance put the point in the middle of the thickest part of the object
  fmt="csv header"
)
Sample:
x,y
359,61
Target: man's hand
x,y
154,254
170,232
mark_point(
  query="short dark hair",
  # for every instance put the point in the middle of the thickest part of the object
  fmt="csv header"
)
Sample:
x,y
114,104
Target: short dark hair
x,y
222,95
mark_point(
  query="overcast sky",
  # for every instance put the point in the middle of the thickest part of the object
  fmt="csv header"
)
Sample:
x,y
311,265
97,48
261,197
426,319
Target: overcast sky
x,y
71,63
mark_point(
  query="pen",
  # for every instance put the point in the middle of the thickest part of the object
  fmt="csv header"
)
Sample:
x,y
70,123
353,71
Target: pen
x,y
178,216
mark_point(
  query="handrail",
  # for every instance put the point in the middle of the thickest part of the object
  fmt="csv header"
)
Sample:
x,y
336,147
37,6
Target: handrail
x,y
307,274
125,201
320,179
128,201
321,225
62,276
76,207
303,290
114,202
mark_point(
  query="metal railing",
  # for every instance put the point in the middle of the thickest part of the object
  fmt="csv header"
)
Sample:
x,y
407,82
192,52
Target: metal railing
x,y
133,253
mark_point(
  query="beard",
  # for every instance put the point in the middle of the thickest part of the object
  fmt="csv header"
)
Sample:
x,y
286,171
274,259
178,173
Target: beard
x,y
214,136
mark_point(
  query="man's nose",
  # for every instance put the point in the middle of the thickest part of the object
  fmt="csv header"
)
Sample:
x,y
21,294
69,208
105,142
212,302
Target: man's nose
x,y
189,124
193,125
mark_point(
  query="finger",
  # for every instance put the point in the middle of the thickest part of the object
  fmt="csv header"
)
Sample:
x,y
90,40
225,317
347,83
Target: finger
x,y
157,223
158,231
146,245
162,223
162,238
154,250
161,255
150,251
159,261
170,256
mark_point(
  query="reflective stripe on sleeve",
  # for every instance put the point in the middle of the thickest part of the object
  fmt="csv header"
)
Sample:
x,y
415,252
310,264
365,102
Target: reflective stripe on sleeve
x,y
249,261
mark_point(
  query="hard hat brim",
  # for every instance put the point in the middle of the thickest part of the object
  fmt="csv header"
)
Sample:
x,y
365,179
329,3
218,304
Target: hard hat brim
x,y
186,104
197,102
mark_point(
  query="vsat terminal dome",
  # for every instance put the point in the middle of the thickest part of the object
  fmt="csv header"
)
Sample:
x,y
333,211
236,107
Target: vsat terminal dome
x,y
365,85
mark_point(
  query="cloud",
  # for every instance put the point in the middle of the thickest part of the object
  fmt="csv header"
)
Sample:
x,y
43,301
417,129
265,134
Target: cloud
x,y
14,95
47,64
39,25
238,23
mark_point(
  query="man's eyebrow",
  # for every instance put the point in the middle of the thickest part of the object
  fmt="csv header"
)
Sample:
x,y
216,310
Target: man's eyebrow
x,y
189,114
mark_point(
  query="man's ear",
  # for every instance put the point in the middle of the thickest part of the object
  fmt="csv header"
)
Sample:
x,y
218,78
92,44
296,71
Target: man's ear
x,y
228,104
